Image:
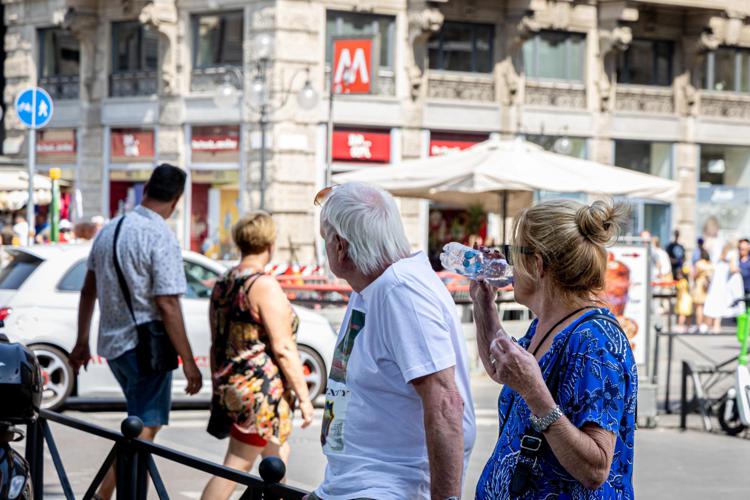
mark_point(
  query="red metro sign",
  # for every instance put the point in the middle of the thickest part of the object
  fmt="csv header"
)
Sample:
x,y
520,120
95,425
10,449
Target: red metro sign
x,y
352,65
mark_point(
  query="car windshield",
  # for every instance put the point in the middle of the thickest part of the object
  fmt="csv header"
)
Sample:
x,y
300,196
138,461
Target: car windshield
x,y
200,280
73,279
18,270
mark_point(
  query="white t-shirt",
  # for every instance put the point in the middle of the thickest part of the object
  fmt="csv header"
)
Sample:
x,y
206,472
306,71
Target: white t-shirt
x,y
401,327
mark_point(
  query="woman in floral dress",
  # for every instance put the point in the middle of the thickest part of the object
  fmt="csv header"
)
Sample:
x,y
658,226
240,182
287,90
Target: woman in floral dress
x,y
257,372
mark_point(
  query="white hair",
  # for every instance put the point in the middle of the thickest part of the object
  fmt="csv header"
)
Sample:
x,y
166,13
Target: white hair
x,y
368,219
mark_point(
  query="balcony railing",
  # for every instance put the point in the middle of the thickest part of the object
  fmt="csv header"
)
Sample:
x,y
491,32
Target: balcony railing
x,y
61,87
133,83
461,86
570,95
644,99
725,105
207,79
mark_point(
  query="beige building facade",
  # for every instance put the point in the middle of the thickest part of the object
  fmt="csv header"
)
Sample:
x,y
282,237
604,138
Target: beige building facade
x,y
659,86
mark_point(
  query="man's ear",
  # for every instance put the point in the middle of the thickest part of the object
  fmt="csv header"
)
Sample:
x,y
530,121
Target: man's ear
x,y
342,249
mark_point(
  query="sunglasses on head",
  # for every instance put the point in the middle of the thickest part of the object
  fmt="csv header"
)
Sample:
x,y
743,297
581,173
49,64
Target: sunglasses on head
x,y
323,195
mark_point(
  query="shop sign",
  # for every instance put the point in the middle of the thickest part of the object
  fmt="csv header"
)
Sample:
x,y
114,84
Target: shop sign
x,y
353,65
627,293
215,139
361,146
137,175
451,143
215,176
56,146
132,145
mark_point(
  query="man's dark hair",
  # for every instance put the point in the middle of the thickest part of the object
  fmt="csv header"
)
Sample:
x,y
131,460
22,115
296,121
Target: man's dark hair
x,y
744,240
167,183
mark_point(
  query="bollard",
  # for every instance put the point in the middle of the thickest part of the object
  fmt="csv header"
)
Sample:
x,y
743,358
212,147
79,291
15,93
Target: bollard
x,y
129,483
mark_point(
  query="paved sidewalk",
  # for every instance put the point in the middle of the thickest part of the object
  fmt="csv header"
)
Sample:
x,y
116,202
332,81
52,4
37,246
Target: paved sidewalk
x,y
668,463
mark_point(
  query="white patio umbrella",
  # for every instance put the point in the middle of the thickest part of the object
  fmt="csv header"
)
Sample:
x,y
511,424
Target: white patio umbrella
x,y
502,174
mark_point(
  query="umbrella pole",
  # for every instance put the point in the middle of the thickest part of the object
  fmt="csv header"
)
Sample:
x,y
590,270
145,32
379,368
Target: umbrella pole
x,y
505,216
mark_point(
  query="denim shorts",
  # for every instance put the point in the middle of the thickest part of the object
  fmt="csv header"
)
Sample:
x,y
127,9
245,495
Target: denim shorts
x,y
149,396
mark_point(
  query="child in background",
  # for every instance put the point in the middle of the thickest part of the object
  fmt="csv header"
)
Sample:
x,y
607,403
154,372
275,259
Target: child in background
x,y
684,305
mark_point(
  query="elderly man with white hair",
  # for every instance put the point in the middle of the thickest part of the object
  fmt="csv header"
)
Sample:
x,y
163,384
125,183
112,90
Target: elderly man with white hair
x,y
399,419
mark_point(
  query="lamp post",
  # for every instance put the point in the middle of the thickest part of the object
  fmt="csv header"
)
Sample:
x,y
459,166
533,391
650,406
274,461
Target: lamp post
x,y
261,100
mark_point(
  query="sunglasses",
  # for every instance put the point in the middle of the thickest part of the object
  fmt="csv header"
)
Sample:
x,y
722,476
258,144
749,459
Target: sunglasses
x,y
323,195
509,252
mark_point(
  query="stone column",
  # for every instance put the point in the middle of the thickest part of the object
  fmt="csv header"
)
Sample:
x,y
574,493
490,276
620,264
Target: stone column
x,y
292,133
85,24
421,21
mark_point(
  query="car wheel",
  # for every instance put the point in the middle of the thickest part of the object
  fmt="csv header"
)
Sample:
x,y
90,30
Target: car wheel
x,y
315,371
57,375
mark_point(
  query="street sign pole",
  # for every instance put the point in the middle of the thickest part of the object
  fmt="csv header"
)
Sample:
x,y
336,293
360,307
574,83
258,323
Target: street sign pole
x,y
30,218
34,108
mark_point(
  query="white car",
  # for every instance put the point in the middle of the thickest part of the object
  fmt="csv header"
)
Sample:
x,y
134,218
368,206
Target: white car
x,y
39,293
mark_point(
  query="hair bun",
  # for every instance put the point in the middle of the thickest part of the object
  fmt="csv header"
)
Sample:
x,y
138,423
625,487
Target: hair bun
x,y
601,221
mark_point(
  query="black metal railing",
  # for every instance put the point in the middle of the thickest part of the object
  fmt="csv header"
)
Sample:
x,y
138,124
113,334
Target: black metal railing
x,y
61,87
133,83
134,463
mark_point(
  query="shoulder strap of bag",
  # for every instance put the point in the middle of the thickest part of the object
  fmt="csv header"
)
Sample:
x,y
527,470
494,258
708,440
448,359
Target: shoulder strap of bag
x,y
120,276
553,382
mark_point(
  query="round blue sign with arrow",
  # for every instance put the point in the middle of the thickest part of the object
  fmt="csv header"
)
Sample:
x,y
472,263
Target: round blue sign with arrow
x,y
34,107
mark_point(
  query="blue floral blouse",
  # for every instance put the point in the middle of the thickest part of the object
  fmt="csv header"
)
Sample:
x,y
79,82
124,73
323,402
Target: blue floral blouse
x,y
599,385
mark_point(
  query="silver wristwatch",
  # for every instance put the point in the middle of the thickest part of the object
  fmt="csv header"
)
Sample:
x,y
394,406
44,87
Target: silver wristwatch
x,y
542,424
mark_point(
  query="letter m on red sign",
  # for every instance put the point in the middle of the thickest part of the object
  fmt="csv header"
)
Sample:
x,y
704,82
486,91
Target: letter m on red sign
x,y
352,65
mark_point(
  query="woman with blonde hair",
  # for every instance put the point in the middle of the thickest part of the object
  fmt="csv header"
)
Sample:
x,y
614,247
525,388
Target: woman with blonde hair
x,y
567,408
257,372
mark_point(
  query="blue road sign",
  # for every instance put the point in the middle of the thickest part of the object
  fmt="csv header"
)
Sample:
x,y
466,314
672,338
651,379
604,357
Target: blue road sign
x,y
34,107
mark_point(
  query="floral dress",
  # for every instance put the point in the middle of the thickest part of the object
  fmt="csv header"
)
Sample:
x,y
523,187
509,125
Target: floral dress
x,y
250,390
599,385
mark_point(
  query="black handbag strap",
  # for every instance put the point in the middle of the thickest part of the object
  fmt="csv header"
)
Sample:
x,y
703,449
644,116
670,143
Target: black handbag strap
x,y
120,276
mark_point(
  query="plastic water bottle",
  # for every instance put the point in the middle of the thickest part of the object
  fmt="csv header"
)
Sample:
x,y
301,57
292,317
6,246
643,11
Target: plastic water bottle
x,y
473,264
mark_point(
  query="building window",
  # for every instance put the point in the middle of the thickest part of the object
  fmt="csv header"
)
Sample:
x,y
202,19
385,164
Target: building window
x,y
356,24
654,158
135,55
724,192
462,47
217,40
59,63
727,69
646,62
555,55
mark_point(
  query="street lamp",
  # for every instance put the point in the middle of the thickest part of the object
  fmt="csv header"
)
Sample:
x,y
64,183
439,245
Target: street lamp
x,y
261,98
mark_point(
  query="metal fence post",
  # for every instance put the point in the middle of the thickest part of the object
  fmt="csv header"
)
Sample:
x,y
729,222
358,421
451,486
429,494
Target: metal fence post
x,y
272,470
126,465
35,456
683,396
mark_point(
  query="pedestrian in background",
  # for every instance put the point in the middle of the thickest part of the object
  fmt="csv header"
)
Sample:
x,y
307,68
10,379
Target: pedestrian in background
x,y
703,270
684,300
256,369
568,406
676,253
147,300
744,264
725,288
399,418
